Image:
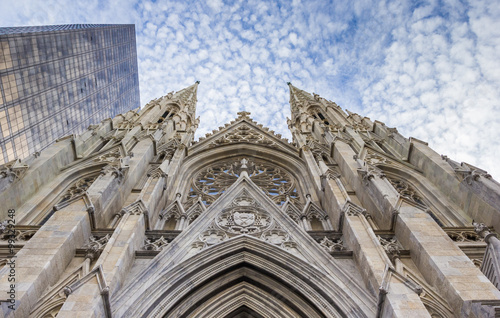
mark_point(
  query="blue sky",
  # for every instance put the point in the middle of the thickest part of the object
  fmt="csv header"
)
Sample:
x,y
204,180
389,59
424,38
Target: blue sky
x,y
429,68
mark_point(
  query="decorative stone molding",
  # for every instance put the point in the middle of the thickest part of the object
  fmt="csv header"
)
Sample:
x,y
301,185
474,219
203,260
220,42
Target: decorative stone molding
x,y
174,210
136,208
243,134
374,159
115,171
318,150
368,172
227,127
464,235
390,272
436,305
391,246
13,170
244,216
466,172
406,190
332,245
10,172
474,175
241,220
352,209
210,237
481,228
19,235
98,273
95,246
167,150
151,244
51,303
292,211
109,157
332,173
277,236
76,191
4,226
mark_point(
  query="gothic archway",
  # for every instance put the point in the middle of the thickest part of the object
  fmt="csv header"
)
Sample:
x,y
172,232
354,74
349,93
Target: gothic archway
x,y
244,264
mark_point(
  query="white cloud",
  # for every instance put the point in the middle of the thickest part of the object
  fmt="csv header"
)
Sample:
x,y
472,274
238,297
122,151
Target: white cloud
x,y
431,70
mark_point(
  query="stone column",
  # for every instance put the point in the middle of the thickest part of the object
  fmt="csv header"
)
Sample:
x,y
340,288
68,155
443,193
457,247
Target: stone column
x,y
396,299
436,256
45,256
491,260
443,263
335,196
115,260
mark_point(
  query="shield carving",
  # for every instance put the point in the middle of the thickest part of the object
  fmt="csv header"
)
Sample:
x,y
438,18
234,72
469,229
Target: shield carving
x,y
243,219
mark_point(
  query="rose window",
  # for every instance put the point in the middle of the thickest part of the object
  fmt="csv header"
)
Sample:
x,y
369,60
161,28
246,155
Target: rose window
x,y
213,181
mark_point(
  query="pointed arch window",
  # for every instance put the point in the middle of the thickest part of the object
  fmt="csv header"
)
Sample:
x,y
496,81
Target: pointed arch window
x,y
406,190
74,192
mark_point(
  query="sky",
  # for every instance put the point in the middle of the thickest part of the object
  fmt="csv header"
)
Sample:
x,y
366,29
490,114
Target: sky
x,y
429,68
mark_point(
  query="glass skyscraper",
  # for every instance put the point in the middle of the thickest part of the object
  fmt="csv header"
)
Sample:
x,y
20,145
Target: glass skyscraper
x,y
57,80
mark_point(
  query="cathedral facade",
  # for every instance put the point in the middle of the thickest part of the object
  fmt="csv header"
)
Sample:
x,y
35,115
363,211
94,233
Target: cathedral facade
x,y
134,218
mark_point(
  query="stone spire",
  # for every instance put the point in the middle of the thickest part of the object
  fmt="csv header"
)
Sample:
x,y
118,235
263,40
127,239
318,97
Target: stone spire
x,y
185,98
300,100
300,103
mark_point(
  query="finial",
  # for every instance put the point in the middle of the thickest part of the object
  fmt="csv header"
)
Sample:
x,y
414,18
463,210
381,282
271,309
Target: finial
x,y
197,82
243,167
288,83
243,114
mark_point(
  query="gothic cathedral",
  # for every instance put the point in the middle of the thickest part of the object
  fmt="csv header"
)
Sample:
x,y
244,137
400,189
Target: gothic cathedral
x,y
134,218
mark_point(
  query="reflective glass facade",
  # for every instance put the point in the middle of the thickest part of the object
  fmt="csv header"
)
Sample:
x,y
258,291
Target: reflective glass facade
x,y
58,80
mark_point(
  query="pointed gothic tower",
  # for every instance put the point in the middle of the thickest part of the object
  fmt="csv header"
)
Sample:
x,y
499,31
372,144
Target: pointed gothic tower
x,y
136,219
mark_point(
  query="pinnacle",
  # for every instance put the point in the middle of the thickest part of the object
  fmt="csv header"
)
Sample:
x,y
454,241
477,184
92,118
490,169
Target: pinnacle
x,y
188,93
185,97
297,94
243,114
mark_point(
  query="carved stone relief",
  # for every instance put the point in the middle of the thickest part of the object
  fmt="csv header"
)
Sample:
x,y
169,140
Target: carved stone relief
x,y
12,170
110,157
391,246
332,245
406,190
464,235
95,246
241,134
374,159
18,235
151,244
244,216
77,189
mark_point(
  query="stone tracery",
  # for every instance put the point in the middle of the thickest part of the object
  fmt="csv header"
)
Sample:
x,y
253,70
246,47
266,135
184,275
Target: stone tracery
x,y
212,182
406,190
78,188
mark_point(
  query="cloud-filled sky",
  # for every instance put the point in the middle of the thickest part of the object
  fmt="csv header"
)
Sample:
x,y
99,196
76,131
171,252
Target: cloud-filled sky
x,y
429,68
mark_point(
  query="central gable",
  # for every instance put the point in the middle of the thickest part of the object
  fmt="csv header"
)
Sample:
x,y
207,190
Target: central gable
x,y
244,130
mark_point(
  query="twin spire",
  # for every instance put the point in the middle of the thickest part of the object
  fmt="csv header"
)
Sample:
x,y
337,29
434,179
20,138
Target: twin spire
x,y
298,97
305,107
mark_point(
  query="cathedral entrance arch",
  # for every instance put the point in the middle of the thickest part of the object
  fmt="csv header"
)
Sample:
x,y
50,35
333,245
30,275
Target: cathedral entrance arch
x,y
245,271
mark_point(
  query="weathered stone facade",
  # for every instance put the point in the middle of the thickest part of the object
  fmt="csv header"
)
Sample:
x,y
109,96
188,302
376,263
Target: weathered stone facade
x,y
135,219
